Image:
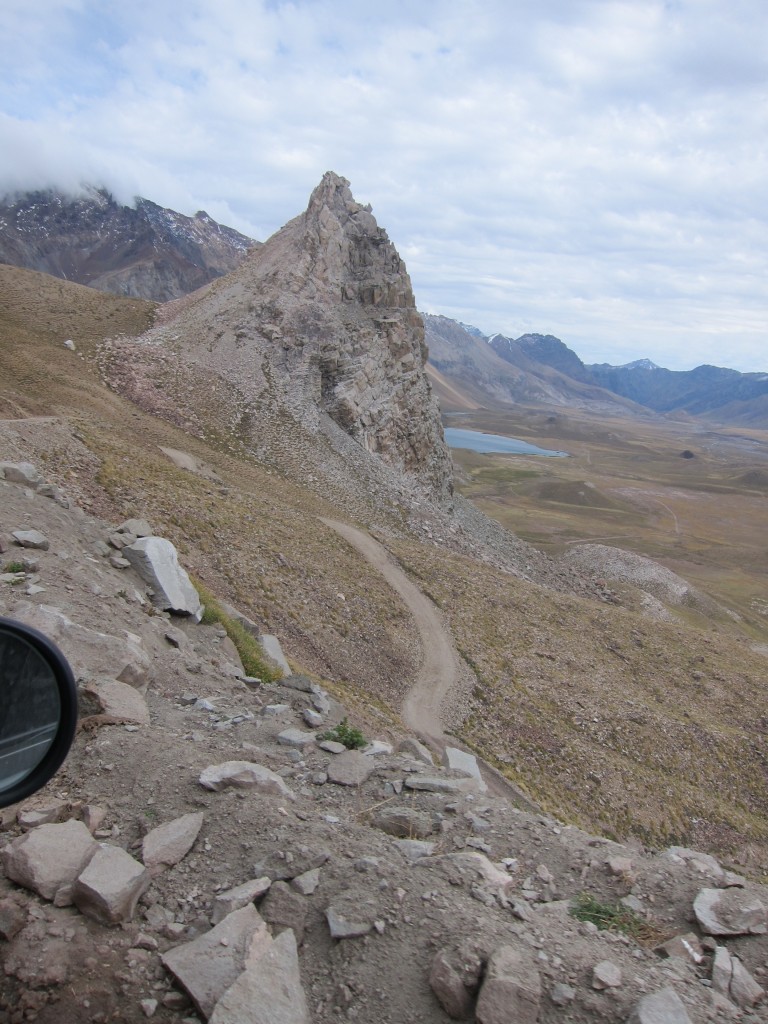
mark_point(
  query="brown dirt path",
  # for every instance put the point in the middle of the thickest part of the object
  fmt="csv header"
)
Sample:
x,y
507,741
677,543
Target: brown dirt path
x,y
440,667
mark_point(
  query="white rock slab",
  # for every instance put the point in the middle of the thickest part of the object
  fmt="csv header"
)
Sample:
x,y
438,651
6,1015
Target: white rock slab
x,y
271,647
109,888
48,859
269,990
155,559
119,700
663,1007
461,761
730,912
209,965
244,775
167,844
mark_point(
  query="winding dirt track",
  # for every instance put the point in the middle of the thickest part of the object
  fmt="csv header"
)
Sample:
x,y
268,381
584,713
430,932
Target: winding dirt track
x,y
439,670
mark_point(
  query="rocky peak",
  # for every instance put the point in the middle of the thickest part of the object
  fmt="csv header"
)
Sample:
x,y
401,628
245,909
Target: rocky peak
x,y
321,323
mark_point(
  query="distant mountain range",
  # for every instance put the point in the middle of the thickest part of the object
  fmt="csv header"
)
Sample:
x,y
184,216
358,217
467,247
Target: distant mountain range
x,y
150,252
144,251
541,369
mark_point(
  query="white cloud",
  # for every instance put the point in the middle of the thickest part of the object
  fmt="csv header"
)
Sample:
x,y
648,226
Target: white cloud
x,y
589,168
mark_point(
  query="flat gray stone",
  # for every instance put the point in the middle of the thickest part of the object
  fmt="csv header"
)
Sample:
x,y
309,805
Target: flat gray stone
x,y
414,849
332,747
271,647
312,718
118,700
606,974
244,775
307,883
21,473
730,912
109,888
137,527
269,989
414,748
31,539
212,963
663,1007
239,897
293,864
297,738
157,562
48,859
346,926
461,761
167,844
511,990
350,768
438,784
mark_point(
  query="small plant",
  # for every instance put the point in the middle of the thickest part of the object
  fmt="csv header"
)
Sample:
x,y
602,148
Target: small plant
x,y
254,662
345,733
614,917
14,567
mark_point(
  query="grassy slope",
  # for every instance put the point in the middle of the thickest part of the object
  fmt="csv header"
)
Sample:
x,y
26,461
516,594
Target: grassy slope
x,y
609,720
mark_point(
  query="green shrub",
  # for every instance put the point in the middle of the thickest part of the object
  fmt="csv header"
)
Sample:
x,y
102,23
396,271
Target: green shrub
x,y
344,733
614,917
14,567
248,647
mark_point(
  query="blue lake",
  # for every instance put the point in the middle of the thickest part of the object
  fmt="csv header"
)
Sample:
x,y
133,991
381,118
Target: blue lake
x,y
479,442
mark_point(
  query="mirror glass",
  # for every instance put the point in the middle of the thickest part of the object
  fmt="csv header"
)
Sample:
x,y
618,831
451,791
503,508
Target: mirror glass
x,y
37,710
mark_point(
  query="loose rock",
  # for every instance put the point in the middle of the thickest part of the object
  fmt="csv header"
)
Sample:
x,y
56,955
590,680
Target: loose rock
x,y
243,775
167,844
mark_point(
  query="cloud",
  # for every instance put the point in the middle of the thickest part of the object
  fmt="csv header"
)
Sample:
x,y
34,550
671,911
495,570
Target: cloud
x,y
589,168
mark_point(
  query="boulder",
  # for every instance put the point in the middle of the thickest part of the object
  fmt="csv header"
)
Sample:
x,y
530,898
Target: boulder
x,y
414,849
136,527
239,897
439,784
118,700
48,859
455,978
732,979
662,1007
511,990
297,738
157,562
269,989
167,844
730,912
606,974
90,654
272,649
109,888
307,883
350,768
21,473
416,750
465,763
344,924
210,964
244,775
31,539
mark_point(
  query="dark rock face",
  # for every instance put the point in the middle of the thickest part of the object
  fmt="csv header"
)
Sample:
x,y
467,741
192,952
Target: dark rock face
x,y
145,251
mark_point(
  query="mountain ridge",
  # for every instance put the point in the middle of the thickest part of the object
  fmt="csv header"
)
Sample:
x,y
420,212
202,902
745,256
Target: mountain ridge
x,y
142,251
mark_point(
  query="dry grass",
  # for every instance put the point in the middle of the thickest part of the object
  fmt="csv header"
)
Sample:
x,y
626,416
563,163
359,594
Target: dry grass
x,y
606,719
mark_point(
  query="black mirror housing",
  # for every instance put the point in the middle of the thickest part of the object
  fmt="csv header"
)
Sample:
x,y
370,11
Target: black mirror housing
x,y
38,710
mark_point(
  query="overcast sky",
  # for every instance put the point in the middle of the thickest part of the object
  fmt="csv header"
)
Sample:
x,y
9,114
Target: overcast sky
x,y
593,169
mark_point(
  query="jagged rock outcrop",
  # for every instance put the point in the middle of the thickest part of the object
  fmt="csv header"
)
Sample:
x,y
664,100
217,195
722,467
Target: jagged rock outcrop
x,y
319,323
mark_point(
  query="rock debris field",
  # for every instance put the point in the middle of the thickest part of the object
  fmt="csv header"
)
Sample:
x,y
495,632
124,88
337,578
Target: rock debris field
x,y
204,855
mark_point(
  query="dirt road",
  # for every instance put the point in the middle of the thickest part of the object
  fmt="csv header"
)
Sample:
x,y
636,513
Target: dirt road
x,y
439,670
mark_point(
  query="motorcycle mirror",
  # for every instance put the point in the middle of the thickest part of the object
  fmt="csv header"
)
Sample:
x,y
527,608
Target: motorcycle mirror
x,y
38,710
